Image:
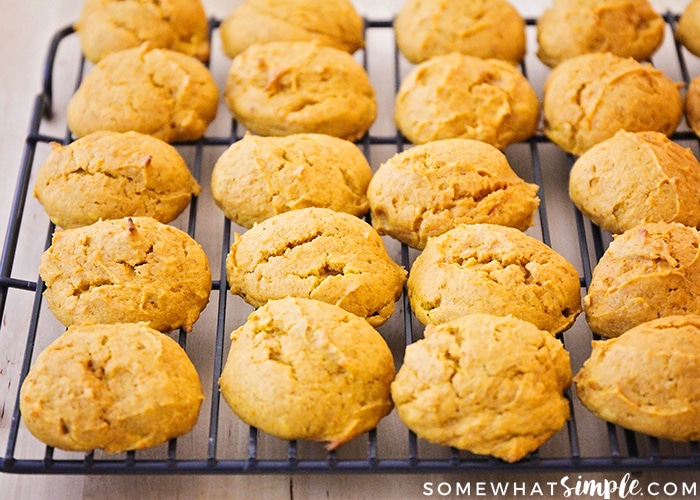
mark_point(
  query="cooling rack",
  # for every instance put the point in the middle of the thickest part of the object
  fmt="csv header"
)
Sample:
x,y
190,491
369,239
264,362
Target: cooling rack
x,y
222,445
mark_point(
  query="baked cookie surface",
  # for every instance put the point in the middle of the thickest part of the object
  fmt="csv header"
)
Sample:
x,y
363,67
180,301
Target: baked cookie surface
x,y
646,379
589,98
159,92
636,177
489,29
689,26
110,175
115,387
128,270
647,272
319,254
334,23
283,88
491,385
259,177
107,26
459,96
626,28
429,189
692,105
304,369
491,269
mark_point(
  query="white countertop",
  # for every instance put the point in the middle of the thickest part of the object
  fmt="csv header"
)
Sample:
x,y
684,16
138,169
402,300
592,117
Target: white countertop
x,y
27,27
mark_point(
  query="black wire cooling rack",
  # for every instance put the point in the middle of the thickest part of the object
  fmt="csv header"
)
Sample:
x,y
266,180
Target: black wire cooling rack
x,y
389,448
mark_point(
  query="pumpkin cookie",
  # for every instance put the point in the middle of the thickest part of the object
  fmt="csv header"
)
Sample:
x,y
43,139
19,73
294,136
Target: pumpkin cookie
x,y
107,26
259,177
689,27
636,177
647,272
647,379
334,23
116,387
304,369
489,29
160,92
491,269
692,105
429,189
126,271
490,385
626,28
589,98
316,253
283,88
458,96
110,175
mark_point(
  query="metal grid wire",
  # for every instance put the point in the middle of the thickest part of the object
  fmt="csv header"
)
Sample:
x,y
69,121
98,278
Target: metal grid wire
x,y
627,450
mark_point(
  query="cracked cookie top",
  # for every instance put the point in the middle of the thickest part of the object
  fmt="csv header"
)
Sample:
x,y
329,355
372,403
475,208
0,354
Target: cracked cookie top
x,y
319,254
459,96
636,177
589,98
489,29
283,88
159,92
334,23
647,272
259,177
107,26
110,175
491,269
429,189
483,383
115,387
304,369
128,270
627,28
647,379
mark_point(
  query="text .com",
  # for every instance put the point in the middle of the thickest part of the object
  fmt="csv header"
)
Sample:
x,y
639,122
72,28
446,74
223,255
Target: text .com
x,y
566,487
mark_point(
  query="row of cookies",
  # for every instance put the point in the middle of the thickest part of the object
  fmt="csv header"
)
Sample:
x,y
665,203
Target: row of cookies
x,y
621,294
324,270
363,289
290,84
114,379
117,271
642,298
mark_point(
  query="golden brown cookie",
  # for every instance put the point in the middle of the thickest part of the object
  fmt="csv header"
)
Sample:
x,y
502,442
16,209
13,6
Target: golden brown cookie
x,y
334,23
589,98
491,269
489,29
283,88
429,189
259,177
692,105
689,27
316,253
107,26
110,175
458,96
116,387
159,92
127,270
626,28
487,384
304,369
636,177
647,379
647,272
